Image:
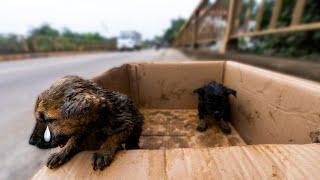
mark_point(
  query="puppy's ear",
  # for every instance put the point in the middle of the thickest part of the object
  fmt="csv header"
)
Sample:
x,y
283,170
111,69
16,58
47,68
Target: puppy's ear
x,y
200,91
76,105
79,104
231,91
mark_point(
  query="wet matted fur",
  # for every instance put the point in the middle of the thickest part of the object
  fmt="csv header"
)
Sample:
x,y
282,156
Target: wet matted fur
x,y
214,101
81,116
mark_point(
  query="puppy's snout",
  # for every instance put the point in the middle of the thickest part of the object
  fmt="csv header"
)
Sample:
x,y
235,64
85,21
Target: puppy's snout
x,y
33,140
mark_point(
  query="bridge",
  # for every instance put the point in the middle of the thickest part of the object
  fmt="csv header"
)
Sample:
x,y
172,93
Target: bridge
x,y
223,21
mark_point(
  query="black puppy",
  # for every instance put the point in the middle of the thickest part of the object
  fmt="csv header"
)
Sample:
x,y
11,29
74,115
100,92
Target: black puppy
x,y
213,100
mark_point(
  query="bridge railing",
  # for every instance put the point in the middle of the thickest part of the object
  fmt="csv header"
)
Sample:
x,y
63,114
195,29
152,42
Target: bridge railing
x,y
225,21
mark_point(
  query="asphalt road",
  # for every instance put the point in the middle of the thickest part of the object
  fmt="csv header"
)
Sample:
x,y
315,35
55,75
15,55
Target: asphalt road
x,y
21,82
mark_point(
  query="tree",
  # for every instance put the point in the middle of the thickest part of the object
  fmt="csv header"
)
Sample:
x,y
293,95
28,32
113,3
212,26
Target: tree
x,y
298,44
47,39
92,37
171,32
44,30
67,33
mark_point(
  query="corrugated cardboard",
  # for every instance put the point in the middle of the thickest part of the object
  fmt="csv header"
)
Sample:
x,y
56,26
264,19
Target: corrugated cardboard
x,y
170,85
270,108
237,162
116,79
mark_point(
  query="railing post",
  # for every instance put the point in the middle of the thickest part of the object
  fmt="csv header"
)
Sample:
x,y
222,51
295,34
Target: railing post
x,y
230,25
275,14
298,11
237,17
195,30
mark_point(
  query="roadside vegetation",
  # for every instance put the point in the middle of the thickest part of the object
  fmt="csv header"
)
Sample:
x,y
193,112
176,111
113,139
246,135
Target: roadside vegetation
x,y
173,30
47,39
167,38
298,45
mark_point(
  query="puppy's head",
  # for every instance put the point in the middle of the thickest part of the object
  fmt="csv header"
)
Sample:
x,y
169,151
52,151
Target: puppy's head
x,y
66,109
215,97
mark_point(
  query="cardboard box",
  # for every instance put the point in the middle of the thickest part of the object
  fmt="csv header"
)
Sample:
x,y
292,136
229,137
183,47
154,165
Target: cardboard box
x,y
270,108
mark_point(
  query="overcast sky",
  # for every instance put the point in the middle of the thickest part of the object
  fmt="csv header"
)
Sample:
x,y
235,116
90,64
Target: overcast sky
x,y
109,17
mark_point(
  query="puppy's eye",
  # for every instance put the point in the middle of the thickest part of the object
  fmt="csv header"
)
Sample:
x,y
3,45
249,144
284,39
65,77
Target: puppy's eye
x,y
50,120
41,117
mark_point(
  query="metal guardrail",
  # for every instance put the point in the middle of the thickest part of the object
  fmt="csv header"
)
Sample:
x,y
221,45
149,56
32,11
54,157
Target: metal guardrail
x,y
221,21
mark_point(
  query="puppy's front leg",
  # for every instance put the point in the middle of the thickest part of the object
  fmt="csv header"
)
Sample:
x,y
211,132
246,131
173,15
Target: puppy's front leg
x,y
105,155
223,123
68,151
202,113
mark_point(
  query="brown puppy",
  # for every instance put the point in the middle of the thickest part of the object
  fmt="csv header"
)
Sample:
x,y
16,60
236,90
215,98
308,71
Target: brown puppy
x,y
79,115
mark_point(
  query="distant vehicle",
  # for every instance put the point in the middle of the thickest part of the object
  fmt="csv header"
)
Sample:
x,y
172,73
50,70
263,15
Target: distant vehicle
x,y
129,40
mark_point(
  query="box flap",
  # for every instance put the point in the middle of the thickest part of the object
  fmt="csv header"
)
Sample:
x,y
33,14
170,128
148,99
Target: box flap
x,y
237,162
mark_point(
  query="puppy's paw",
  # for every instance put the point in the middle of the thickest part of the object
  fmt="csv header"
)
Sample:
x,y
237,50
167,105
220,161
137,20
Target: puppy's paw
x,y
224,126
101,161
201,128
56,160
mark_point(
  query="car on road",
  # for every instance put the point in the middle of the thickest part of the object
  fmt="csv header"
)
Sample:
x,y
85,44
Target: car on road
x,y
129,40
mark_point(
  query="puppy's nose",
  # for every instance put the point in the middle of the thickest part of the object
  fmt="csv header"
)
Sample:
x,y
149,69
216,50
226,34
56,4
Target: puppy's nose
x,y
216,114
32,141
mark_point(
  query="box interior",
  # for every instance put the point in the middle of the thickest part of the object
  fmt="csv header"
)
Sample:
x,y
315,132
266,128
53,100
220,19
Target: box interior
x,y
270,108
176,128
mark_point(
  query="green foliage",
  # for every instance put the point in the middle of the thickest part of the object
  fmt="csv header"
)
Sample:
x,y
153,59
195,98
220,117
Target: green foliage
x,y
47,39
267,13
172,31
44,30
158,39
297,45
12,43
147,43
67,33
244,8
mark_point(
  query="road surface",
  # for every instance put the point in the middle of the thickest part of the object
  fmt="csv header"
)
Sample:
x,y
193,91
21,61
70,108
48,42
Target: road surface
x,y
21,82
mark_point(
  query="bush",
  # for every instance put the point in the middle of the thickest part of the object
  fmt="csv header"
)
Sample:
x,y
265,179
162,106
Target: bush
x,y
47,39
298,45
